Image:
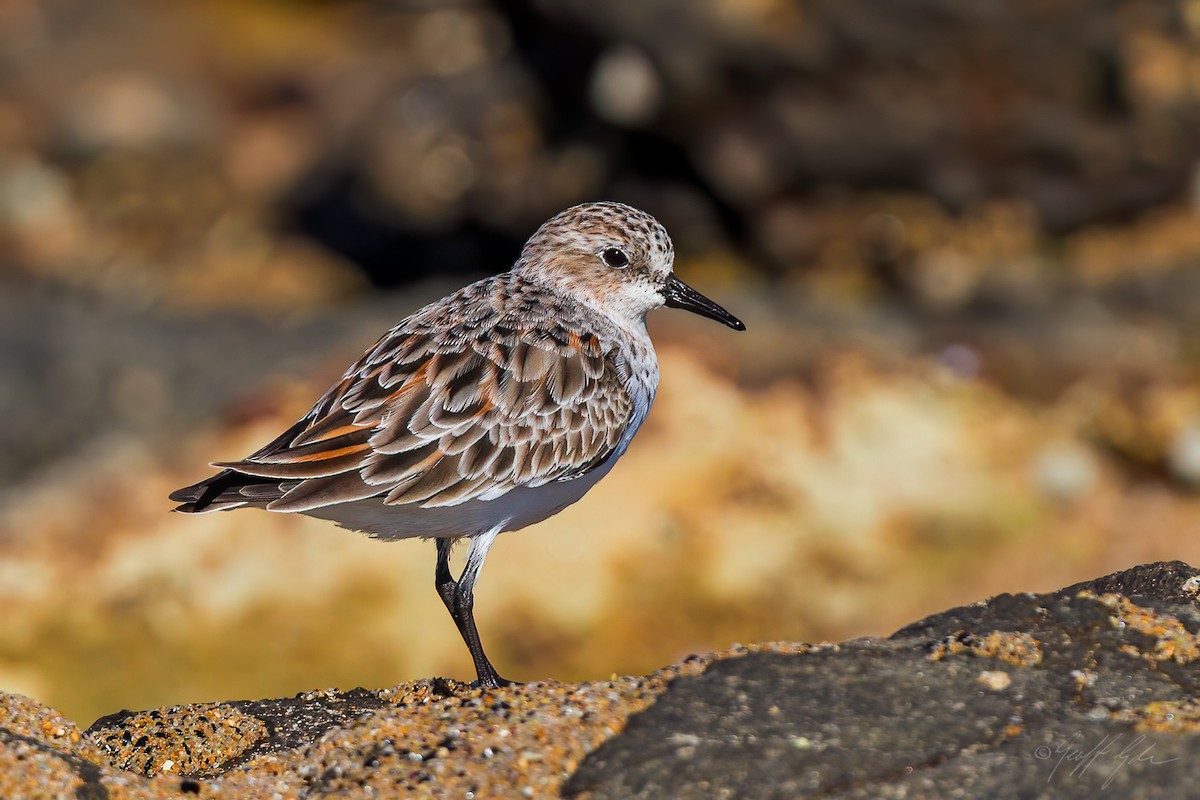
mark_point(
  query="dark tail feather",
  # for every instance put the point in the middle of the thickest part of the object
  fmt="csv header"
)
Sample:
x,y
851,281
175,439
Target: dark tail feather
x,y
232,488
225,488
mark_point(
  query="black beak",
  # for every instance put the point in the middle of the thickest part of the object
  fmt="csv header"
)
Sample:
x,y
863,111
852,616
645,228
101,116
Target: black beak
x,y
678,294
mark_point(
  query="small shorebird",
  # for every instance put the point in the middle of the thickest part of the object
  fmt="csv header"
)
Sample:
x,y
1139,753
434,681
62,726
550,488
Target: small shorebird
x,y
486,411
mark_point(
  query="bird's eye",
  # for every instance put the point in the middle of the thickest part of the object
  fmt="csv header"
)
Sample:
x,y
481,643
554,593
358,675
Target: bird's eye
x,y
615,258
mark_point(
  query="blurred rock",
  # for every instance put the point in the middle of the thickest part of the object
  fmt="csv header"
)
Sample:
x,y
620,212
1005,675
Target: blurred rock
x,y
32,194
94,371
131,111
40,224
1185,455
1145,424
419,140
625,87
1064,471
946,278
962,361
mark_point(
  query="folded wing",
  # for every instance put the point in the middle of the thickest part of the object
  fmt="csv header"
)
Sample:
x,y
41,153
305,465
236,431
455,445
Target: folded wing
x,y
433,419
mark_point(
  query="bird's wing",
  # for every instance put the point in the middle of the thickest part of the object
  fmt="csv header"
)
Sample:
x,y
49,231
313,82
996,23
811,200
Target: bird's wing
x,y
432,417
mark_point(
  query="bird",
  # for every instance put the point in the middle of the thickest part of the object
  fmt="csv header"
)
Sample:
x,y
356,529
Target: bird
x,y
486,411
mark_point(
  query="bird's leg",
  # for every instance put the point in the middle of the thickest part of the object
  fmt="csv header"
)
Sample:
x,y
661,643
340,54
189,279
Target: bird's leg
x,y
459,599
447,587
464,617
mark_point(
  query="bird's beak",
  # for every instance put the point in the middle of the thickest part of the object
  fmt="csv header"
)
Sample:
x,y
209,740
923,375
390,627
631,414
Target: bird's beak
x,y
678,294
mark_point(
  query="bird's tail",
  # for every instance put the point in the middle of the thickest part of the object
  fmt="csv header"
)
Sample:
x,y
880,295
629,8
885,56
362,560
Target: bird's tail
x,y
226,490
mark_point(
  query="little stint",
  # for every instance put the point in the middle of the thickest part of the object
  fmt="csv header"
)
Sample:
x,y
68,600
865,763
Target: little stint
x,y
486,411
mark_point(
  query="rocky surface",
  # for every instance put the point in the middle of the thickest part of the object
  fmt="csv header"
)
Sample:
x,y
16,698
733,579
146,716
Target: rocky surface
x,y
429,738
1090,688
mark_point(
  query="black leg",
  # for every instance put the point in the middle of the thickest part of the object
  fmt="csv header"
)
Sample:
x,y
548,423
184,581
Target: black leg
x,y
459,599
464,618
446,585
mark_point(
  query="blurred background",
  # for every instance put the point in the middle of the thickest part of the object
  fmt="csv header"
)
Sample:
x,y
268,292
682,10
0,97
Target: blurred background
x,y
965,238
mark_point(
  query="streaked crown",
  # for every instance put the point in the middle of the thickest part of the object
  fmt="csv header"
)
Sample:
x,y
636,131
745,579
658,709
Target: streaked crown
x,y
582,226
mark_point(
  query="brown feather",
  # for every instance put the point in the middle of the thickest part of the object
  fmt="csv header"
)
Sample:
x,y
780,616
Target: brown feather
x,y
443,474
349,458
319,450
453,444
479,457
320,492
531,362
457,492
382,470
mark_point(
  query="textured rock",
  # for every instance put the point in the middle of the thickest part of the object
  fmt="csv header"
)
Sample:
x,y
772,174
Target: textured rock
x,y
1071,693
429,738
1087,689
209,738
42,754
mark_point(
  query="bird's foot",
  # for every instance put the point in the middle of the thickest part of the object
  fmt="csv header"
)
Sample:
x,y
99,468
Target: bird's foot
x,y
493,681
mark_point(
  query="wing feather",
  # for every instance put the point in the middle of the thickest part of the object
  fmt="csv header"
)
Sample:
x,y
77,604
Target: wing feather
x,y
455,403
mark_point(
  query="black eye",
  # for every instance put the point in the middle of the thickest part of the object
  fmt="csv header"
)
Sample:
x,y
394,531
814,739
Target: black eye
x,y
615,258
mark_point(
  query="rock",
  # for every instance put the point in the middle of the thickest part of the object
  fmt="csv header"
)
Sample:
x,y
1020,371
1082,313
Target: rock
x,y
218,736
434,736
44,755
1071,693
1100,681
131,111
